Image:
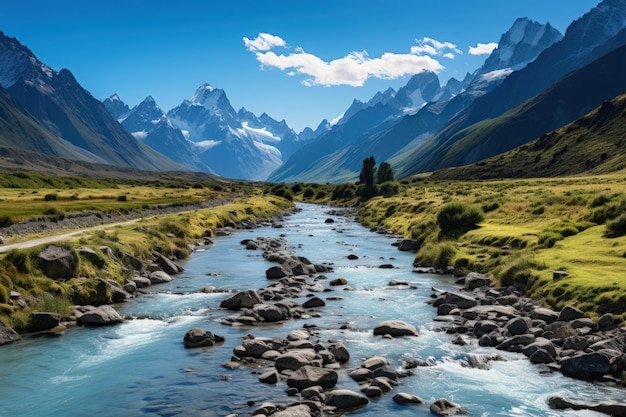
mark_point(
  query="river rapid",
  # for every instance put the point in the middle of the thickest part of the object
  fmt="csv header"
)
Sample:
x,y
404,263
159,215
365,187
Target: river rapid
x,y
141,368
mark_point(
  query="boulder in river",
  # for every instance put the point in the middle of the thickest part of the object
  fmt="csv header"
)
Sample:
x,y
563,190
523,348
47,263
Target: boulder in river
x,y
403,398
100,316
395,328
443,407
243,299
309,376
344,398
197,337
588,366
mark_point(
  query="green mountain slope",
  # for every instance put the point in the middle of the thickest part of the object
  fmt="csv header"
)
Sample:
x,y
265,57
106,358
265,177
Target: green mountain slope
x,y
593,144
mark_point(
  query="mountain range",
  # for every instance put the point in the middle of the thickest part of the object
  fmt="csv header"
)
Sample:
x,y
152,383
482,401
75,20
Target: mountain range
x,y
205,133
46,111
534,82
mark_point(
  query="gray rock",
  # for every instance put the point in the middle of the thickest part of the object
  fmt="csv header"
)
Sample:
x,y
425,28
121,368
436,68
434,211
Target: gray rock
x,y
589,366
340,352
309,376
371,391
395,328
610,408
159,277
575,343
443,407
545,314
196,337
42,321
243,299
374,363
142,282
294,359
360,374
313,303
343,399
269,377
277,272
483,327
270,313
541,356
460,300
569,313
298,410
255,348
58,263
298,334
408,245
511,343
475,280
607,322
403,398
100,316
338,281
167,265
7,334
540,343
518,325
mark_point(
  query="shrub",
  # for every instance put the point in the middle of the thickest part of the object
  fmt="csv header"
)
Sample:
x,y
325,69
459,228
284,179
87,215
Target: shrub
x,y
288,195
457,215
308,193
5,221
617,227
122,198
487,207
321,194
50,197
389,188
600,200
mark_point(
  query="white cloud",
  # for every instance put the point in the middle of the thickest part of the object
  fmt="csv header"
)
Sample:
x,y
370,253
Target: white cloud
x,y
434,47
263,42
353,69
483,48
449,55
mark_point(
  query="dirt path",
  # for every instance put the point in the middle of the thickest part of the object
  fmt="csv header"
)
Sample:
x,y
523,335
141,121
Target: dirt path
x,y
75,224
58,237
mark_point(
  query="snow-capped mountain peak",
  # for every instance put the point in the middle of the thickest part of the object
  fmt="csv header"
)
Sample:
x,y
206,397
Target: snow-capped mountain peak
x,y
208,96
520,45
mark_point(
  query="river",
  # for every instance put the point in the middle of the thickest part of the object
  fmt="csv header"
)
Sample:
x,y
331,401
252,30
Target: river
x,y
140,367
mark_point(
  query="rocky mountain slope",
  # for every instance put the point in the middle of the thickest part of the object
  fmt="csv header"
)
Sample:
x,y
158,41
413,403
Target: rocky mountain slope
x,y
61,118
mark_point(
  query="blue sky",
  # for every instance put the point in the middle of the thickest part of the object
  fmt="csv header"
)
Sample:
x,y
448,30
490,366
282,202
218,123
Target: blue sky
x,y
297,60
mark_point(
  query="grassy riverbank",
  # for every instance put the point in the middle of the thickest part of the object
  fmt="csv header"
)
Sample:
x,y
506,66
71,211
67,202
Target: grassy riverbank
x,y
531,228
170,235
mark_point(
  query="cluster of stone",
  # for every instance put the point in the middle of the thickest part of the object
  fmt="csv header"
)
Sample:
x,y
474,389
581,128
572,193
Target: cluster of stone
x,y
564,340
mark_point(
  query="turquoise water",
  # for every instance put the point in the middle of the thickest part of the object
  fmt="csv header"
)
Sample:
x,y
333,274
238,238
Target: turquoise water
x,y
140,368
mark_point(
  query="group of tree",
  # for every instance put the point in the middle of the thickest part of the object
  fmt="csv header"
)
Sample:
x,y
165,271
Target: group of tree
x,y
370,176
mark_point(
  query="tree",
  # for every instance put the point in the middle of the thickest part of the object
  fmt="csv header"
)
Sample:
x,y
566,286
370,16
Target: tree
x,y
367,176
384,173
